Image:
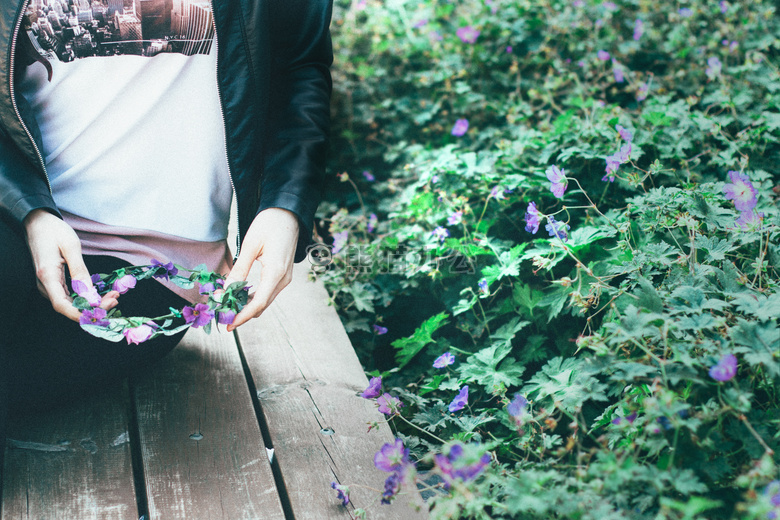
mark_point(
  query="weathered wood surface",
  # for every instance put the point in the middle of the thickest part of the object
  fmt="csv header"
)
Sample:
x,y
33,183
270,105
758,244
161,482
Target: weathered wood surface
x,y
203,453
308,381
72,462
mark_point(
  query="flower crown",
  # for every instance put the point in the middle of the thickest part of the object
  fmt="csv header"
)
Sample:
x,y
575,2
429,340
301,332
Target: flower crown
x,y
112,326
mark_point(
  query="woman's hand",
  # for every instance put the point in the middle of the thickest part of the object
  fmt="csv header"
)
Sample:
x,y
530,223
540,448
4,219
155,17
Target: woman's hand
x,y
54,246
270,240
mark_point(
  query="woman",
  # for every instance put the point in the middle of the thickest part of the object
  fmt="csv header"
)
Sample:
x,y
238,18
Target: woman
x,y
126,126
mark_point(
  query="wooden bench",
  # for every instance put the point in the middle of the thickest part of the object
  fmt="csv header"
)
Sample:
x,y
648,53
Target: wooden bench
x,y
250,425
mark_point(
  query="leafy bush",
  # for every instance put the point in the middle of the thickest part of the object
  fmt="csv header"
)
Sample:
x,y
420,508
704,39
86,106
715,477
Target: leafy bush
x,y
625,365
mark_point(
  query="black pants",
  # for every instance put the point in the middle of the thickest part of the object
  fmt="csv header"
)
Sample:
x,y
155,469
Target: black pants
x,y
45,357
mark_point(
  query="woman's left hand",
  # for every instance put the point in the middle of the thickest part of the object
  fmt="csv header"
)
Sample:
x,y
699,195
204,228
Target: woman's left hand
x,y
270,240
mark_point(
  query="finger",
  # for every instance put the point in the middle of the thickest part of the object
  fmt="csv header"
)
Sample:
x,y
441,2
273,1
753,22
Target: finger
x,y
109,300
241,267
71,253
271,284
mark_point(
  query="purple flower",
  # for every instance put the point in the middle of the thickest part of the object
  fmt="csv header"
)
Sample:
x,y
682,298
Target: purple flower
x,y
496,193
392,457
741,191
368,176
557,229
124,284
603,55
392,487
532,217
434,179
517,406
628,419
625,133
772,493
88,293
420,23
749,220
557,177
639,29
380,329
435,36
441,233
342,492
641,93
724,6
95,316
339,241
206,288
198,316
455,218
460,400
725,369
372,222
617,71
98,282
459,465
615,160
226,317
388,404
714,67
685,12
374,389
460,127
609,6
509,49
163,271
467,34
444,360
138,335
483,286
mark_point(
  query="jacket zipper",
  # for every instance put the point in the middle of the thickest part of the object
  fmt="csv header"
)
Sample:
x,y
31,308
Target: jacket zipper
x,y
14,36
224,126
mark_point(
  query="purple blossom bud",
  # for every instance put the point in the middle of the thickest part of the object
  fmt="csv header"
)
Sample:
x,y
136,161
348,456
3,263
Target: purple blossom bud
x,y
641,93
339,241
420,23
138,335
460,400
226,317
724,6
741,191
95,316
609,6
444,360
388,404
206,288
725,369
374,389
557,229
368,176
342,492
685,12
98,282
639,29
372,222
496,193
441,233
627,419
467,34
509,49
460,128
603,55
483,286
88,293
457,465
517,407
532,218
557,177
169,269
380,329
124,284
392,457
455,218
197,316
625,133
617,71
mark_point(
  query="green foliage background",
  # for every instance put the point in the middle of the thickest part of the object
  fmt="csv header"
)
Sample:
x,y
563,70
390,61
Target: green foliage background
x,y
655,285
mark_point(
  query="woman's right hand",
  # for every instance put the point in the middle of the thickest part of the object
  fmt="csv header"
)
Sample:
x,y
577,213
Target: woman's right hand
x,y
54,246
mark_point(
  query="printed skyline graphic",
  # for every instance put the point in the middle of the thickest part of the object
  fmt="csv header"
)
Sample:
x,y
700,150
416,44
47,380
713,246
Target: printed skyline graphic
x,y
73,29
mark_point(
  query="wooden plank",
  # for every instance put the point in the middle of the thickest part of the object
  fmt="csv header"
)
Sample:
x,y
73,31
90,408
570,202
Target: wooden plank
x,y
202,449
71,462
308,381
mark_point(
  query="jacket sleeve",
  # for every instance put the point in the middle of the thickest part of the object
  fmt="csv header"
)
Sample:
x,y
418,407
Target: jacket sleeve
x,y
299,111
22,187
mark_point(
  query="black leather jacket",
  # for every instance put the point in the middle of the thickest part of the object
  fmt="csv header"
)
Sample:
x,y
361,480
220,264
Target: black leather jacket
x,y
274,83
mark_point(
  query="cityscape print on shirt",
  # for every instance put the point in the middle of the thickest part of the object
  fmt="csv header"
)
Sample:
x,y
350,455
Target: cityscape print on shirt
x,y
72,29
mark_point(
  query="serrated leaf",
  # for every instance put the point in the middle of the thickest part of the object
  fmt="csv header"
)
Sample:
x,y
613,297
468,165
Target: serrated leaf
x,y
564,381
409,347
491,368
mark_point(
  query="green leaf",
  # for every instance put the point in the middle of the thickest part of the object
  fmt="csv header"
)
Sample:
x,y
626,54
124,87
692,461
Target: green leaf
x,y
492,368
526,299
104,333
409,347
565,382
